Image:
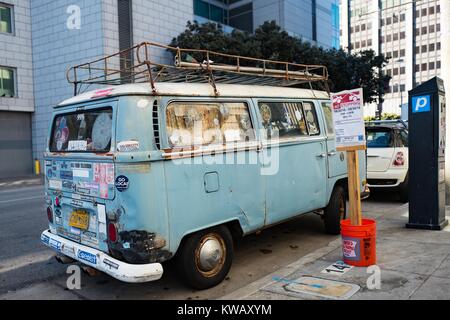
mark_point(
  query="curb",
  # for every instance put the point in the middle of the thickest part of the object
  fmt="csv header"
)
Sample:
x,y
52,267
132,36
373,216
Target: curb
x,y
21,182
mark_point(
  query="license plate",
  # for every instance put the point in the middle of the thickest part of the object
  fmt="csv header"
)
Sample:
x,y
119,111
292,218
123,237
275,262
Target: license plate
x,y
79,219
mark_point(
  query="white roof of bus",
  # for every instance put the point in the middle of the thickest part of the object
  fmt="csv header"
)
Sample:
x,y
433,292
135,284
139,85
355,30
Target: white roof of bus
x,y
198,90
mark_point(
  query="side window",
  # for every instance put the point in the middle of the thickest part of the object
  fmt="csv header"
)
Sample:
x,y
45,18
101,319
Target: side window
x,y
311,118
283,120
202,124
326,106
404,138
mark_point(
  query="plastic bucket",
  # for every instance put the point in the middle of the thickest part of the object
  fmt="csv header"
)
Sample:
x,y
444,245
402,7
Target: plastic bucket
x,y
359,243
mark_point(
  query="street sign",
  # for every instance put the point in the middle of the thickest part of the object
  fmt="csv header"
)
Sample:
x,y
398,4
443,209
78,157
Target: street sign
x,y
350,131
348,118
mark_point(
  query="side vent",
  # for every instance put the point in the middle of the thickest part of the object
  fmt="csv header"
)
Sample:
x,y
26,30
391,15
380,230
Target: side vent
x,y
156,132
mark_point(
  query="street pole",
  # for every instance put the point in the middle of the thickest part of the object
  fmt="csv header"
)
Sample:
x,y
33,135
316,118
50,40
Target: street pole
x,y
445,56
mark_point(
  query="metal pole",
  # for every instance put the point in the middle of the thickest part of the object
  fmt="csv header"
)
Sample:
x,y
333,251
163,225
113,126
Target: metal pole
x,y
445,56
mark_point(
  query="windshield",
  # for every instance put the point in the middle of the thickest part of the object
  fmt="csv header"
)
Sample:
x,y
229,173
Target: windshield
x,y
379,138
84,131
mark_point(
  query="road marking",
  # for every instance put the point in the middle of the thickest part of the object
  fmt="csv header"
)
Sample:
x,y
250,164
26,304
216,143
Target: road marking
x,y
25,260
22,199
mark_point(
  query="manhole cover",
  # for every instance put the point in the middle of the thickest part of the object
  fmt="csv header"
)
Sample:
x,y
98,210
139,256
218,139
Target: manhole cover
x,y
323,288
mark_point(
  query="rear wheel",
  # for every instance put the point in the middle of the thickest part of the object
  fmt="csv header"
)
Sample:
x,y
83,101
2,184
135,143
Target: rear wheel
x,y
403,191
336,211
205,258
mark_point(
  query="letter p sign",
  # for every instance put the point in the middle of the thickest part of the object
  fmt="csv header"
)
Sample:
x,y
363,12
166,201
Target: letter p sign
x,y
421,104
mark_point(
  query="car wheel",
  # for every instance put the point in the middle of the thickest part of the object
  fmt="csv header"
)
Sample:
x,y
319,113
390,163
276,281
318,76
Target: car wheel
x,y
404,190
205,258
336,211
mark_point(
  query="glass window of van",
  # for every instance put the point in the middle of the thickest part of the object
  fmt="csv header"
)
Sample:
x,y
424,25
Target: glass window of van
x,y
326,106
203,124
283,119
311,118
85,131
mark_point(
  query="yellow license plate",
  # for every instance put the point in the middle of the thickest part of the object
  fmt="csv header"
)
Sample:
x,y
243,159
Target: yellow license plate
x,y
79,219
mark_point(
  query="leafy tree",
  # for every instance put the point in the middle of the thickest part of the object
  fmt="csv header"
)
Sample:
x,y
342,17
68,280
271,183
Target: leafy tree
x,y
347,71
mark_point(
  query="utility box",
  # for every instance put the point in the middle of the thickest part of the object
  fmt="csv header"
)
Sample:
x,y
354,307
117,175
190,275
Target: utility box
x,y
427,129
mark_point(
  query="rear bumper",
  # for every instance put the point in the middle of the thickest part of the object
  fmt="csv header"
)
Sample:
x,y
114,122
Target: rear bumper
x,y
132,273
391,178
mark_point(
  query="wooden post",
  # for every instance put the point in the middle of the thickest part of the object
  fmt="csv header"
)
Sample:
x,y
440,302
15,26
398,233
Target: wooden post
x,y
354,184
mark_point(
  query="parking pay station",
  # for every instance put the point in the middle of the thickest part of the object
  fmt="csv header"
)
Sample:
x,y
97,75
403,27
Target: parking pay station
x,y
427,129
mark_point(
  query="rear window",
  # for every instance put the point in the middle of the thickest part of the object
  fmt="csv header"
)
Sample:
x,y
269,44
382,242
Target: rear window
x,y
85,131
379,138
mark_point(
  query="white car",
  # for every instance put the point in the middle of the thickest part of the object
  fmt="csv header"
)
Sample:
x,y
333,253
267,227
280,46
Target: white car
x,y
387,156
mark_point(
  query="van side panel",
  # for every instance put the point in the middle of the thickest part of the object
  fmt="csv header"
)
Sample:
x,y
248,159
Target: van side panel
x,y
140,206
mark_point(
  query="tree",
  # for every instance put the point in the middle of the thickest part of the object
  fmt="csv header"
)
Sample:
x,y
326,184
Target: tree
x,y
347,71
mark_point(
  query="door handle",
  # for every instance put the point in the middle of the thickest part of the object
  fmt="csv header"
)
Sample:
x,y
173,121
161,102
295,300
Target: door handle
x,y
332,153
322,155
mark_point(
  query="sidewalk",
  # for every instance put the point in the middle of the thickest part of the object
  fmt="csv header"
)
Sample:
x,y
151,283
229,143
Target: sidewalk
x,y
20,182
415,264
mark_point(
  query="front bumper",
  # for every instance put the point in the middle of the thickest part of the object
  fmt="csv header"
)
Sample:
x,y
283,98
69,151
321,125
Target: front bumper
x,y
131,273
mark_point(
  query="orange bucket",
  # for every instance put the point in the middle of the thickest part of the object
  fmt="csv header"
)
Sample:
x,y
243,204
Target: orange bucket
x,y
359,243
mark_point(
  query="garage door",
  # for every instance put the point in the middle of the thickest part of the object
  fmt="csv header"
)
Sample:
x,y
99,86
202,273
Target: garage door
x,y
15,144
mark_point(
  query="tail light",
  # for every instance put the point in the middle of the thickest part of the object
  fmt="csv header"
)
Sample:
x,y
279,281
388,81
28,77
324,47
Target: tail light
x,y
50,214
112,232
399,159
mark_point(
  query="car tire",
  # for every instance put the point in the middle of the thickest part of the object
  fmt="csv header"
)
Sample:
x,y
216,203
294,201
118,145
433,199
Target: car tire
x,y
404,190
336,211
205,258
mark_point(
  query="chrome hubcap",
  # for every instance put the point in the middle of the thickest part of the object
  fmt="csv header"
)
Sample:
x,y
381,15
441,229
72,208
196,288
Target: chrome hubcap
x,y
210,255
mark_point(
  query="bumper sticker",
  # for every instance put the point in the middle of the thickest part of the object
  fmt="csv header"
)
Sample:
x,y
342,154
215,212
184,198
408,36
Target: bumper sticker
x,y
87,257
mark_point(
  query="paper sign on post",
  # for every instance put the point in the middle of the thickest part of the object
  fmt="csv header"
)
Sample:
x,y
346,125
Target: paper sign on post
x,y
348,118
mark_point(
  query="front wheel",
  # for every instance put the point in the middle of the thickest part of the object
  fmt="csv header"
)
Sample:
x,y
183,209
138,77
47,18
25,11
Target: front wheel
x,y
335,212
205,258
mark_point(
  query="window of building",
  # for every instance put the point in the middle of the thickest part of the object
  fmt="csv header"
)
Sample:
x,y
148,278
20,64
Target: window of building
x,y
357,45
395,54
7,82
210,11
369,42
402,88
424,48
402,70
369,26
389,72
431,66
363,27
424,12
438,46
395,72
352,30
438,65
431,10
417,32
402,17
203,123
6,18
363,44
357,29
424,67
388,38
395,19
431,47
388,21
424,30
431,29
395,36
283,120
438,8
417,68
402,53
417,50
438,27
395,88
417,14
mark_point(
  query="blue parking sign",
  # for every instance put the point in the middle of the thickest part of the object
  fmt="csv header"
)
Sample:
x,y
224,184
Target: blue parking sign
x,y
421,104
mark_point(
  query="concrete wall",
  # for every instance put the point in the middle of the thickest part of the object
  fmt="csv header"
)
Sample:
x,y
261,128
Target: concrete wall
x,y
55,48
15,52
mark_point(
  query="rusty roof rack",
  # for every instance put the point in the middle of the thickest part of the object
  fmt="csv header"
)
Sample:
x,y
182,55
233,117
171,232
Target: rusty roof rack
x,y
135,65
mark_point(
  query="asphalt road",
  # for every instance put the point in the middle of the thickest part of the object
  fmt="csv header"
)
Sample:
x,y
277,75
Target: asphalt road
x,y
28,270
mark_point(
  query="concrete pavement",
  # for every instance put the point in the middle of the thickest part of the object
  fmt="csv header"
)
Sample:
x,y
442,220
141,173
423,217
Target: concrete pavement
x,y
414,264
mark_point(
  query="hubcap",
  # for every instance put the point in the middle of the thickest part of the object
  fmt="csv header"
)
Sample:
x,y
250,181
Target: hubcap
x,y
210,255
